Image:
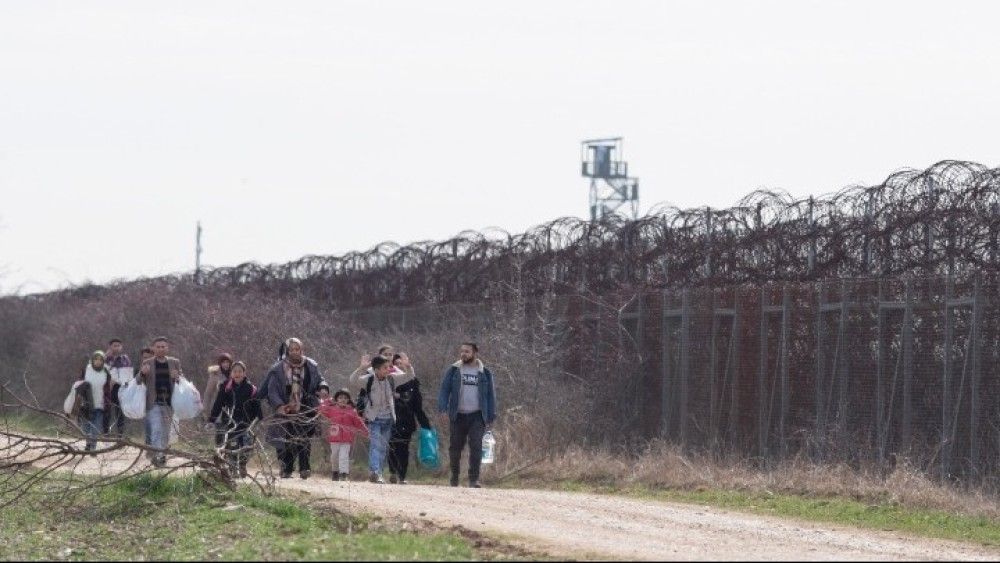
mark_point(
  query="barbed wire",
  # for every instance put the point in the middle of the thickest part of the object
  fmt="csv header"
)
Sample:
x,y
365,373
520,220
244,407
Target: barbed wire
x,y
942,220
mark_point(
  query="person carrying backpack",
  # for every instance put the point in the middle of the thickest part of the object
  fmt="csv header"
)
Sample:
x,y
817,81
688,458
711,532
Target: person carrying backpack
x,y
233,412
380,414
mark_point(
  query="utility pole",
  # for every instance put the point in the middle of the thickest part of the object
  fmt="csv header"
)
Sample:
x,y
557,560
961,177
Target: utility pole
x,y
197,255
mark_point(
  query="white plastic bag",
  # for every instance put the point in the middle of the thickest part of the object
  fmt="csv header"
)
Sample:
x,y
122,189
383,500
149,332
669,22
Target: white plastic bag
x,y
132,398
71,398
186,400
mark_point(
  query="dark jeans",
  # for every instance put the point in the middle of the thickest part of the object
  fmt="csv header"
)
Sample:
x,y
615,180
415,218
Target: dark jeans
x,y
296,447
399,453
467,428
93,426
238,450
113,414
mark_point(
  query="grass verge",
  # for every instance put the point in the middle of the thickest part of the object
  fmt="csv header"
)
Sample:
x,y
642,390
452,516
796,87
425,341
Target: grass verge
x,y
181,519
881,515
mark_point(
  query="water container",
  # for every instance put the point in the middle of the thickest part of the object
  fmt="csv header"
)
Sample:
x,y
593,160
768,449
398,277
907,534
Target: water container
x,y
489,447
427,448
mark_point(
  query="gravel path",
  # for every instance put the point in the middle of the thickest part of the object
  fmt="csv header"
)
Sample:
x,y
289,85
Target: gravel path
x,y
587,525
598,526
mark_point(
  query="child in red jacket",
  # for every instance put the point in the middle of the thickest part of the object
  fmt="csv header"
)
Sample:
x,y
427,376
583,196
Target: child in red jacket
x,y
344,425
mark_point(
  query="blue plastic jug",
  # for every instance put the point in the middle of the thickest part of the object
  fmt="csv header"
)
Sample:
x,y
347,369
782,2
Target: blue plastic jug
x,y
427,448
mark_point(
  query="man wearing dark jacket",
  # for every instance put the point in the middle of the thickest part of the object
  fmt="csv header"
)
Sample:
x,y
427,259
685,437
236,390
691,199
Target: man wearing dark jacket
x,y
292,384
468,399
409,406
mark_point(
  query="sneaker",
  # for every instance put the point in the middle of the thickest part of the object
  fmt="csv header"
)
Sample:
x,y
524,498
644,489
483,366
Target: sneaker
x,y
159,461
373,477
402,481
454,481
345,476
305,474
286,474
336,476
393,479
475,485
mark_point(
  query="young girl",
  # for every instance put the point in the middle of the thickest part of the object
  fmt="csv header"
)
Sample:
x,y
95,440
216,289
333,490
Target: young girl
x,y
235,409
344,425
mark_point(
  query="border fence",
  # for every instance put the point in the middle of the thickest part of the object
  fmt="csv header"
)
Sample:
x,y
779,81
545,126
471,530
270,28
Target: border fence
x,y
858,371
862,326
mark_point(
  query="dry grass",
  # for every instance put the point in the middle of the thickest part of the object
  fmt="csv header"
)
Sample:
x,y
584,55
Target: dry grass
x,y
664,466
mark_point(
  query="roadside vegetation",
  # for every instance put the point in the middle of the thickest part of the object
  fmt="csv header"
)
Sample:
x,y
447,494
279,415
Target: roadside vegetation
x,y
150,518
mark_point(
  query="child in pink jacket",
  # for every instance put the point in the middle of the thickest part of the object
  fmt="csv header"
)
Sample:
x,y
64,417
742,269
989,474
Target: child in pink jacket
x,y
345,424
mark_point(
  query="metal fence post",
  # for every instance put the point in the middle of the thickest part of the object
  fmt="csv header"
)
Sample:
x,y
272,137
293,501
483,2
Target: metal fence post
x,y
820,363
685,370
906,432
762,379
667,398
946,404
786,305
976,375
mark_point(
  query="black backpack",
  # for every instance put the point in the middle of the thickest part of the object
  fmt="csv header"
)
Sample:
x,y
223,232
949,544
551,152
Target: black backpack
x,y
364,394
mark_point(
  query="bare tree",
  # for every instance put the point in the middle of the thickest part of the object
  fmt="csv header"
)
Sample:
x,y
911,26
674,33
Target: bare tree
x,y
48,456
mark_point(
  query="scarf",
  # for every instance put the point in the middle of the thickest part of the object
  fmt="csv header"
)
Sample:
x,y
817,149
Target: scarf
x,y
295,373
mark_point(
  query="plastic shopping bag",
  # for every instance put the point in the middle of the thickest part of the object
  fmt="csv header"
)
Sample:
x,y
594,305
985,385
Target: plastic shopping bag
x,y
132,398
71,398
186,400
427,448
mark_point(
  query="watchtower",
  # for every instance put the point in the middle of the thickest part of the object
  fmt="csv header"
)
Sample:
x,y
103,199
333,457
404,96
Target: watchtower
x,y
610,185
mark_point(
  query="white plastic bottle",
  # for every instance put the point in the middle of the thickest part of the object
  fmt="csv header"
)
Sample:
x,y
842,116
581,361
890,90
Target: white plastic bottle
x,y
489,447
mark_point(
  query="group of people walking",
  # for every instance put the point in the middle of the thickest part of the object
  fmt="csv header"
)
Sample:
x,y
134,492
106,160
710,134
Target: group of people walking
x,y
388,411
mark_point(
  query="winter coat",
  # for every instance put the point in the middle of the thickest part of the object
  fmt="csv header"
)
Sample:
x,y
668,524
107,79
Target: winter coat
x,y
234,405
278,391
410,408
150,380
345,423
451,390
105,389
215,377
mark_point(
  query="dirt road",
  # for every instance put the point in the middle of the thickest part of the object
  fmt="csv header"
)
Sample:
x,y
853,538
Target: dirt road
x,y
586,525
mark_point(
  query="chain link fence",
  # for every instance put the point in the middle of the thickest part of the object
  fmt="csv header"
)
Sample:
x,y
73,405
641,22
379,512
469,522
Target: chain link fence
x,y
858,371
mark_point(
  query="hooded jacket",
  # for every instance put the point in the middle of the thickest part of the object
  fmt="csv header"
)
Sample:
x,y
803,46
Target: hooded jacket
x,y
234,404
345,423
215,377
451,390
100,383
409,408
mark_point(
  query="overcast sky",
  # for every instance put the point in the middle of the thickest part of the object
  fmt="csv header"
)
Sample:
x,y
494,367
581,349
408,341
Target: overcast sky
x,y
321,127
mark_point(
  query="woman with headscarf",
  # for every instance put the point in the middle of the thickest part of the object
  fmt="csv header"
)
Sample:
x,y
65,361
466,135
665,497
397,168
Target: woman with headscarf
x,y
98,378
217,375
292,384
